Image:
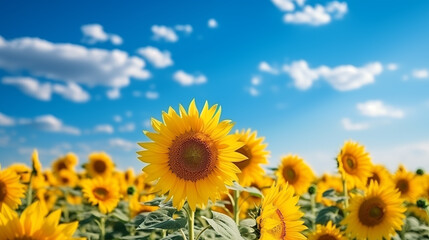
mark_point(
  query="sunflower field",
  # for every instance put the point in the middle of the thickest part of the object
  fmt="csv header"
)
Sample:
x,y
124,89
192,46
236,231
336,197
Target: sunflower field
x,y
200,180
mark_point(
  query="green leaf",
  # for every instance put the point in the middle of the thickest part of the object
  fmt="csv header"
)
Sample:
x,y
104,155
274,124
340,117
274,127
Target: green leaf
x,y
331,194
224,226
118,214
162,219
328,214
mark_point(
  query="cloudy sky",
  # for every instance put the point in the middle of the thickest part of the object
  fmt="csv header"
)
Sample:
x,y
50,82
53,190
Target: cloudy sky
x,y
308,75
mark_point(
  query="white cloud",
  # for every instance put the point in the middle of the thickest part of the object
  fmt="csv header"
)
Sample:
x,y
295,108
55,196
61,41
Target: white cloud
x,y
152,95
156,57
164,33
253,91
284,5
187,79
44,91
392,66
184,28
342,78
212,23
122,144
420,73
94,33
129,127
113,93
265,67
6,120
376,108
351,126
129,113
256,81
318,15
71,63
104,128
117,118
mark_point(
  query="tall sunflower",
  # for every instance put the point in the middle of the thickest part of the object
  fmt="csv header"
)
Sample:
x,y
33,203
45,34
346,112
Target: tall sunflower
x,y
99,164
328,232
254,150
280,216
408,184
22,170
32,224
294,171
67,161
354,164
376,215
103,192
379,174
192,155
11,190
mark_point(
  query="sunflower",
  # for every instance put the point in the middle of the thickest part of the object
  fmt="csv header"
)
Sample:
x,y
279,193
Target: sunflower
x,y
103,192
74,199
376,215
294,171
380,175
136,204
256,154
280,216
11,190
68,162
408,184
37,166
22,170
67,178
354,164
100,164
33,225
328,232
48,197
192,155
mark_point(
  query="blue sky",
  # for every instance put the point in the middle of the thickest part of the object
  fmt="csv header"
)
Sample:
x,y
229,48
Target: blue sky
x,y
308,75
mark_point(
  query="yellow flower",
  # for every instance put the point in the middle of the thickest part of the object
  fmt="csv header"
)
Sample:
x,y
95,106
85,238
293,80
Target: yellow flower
x,y
37,166
137,206
67,178
354,164
328,232
325,183
100,164
48,198
420,213
380,175
280,216
33,225
22,170
192,155
377,215
408,184
256,154
68,162
74,199
294,171
103,192
11,190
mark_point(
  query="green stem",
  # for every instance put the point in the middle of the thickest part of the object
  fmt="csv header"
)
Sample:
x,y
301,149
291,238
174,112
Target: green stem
x,y
102,228
202,231
236,207
30,190
346,197
191,221
313,209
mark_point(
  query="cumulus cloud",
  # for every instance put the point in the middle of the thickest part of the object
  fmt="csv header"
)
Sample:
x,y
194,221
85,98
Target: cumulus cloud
x,y
152,95
265,67
420,73
392,66
104,128
284,5
186,28
342,78
159,59
187,79
253,91
376,108
71,63
113,93
122,144
164,33
351,126
94,33
317,15
255,81
44,91
212,23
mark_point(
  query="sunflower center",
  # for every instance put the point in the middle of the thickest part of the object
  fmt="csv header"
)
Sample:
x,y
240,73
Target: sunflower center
x,y
3,191
290,175
61,165
100,193
99,166
327,237
350,164
374,178
192,156
371,212
24,238
403,186
246,151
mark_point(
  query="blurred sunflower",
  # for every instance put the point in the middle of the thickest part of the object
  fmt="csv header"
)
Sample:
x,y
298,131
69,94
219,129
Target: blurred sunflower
x,y
34,225
67,161
74,199
294,171
99,164
256,154
280,217
22,170
354,164
408,184
48,198
37,166
380,175
137,205
11,190
325,183
103,192
67,178
377,215
328,232
192,155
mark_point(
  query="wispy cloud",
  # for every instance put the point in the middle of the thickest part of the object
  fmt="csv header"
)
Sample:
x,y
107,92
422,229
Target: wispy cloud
x,y
104,128
352,126
265,67
187,79
165,33
317,15
94,33
420,73
376,108
212,23
159,59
